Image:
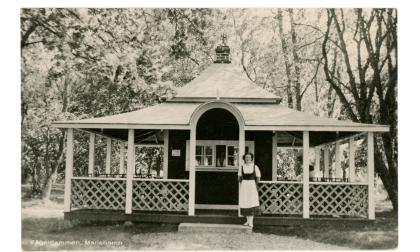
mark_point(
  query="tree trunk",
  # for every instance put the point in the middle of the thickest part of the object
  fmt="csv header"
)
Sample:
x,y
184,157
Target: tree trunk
x,y
387,179
241,39
331,102
46,192
35,177
286,59
296,61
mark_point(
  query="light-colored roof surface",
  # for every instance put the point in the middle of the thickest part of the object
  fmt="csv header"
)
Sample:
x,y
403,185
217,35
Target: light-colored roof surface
x,y
164,113
279,115
257,115
224,81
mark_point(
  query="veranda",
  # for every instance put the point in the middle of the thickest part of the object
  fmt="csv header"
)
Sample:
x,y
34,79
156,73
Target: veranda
x,y
324,194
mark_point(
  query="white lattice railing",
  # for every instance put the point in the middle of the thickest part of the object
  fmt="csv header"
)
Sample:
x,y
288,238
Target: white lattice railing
x,y
160,195
280,197
277,197
98,193
338,199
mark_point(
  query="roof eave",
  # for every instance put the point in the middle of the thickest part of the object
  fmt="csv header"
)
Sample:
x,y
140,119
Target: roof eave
x,y
361,128
84,125
341,128
274,100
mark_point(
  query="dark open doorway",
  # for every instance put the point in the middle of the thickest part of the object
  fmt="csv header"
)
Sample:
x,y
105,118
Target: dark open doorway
x,y
216,184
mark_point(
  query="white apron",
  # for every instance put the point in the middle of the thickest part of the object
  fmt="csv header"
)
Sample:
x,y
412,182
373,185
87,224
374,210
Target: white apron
x,y
248,195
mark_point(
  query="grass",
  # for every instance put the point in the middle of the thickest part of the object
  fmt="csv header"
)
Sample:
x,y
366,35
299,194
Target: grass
x,y
43,228
57,234
382,234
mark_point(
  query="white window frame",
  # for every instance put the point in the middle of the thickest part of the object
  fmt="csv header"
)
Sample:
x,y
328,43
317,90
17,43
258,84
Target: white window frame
x,y
213,143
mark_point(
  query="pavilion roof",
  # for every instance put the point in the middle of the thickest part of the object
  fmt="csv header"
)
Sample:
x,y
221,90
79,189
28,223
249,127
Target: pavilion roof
x,y
256,117
225,81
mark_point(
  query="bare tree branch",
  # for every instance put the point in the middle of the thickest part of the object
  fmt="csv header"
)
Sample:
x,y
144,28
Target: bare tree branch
x,y
337,89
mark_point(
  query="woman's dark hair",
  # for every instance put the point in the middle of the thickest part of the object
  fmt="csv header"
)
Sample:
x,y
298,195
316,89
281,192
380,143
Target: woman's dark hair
x,y
248,153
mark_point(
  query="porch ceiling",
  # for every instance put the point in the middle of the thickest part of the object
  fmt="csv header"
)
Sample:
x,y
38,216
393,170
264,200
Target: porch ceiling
x,y
141,136
295,139
284,138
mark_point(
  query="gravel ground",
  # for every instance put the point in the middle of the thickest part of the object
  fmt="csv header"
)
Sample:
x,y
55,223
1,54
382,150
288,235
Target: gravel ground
x,y
55,234
222,241
45,223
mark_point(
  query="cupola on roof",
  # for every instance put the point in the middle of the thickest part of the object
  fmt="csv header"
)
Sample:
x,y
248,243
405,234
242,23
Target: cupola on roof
x,y
223,51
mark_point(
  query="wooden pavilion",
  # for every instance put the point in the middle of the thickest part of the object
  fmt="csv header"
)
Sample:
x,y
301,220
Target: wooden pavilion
x,y
204,129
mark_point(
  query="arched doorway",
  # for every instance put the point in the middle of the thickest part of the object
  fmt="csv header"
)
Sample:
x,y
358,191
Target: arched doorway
x,y
218,132
217,156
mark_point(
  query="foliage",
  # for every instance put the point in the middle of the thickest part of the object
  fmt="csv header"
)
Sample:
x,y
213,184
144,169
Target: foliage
x,y
81,63
360,63
289,163
150,161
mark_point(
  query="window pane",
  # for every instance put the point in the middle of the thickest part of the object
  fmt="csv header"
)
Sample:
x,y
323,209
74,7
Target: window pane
x,y
246,149
236,155
220,155
199,160
209,150
231,161
198,150
208,160
230,150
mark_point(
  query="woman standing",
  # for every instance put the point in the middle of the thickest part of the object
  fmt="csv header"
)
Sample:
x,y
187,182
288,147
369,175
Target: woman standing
x,y
249,175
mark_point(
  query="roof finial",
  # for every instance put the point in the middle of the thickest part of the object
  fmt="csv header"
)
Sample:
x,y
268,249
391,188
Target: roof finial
x,y
217,94
224,38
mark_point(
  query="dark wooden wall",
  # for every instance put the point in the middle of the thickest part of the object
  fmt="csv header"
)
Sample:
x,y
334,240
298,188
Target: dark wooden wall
x,y
263,151
176,165
219,188
263,145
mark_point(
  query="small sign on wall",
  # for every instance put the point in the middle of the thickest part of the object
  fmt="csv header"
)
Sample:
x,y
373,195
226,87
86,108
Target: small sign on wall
x,y
176,153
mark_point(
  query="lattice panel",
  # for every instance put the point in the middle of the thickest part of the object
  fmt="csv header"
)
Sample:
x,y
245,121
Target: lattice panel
x,y
160,195
98,194
281,198
348,200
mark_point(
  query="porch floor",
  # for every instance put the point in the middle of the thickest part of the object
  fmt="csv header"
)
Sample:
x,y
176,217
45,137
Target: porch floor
x,y
203,216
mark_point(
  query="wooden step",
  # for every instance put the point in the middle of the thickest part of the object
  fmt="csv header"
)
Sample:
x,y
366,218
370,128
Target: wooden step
x,y
219,228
